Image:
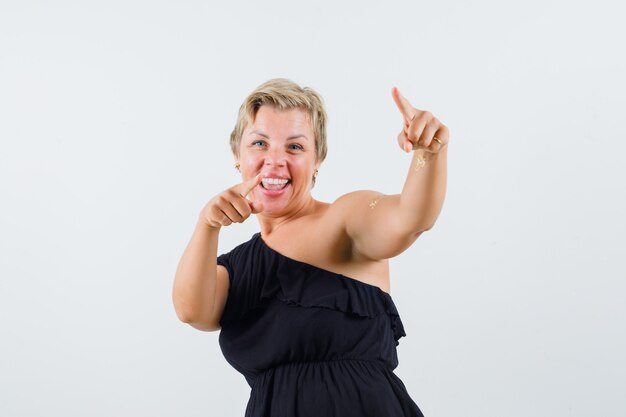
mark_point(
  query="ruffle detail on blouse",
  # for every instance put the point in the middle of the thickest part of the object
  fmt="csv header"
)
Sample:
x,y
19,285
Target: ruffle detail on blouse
x,y
302,284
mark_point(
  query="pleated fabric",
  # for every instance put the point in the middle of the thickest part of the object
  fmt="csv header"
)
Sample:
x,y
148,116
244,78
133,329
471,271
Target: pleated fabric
x,y
310,342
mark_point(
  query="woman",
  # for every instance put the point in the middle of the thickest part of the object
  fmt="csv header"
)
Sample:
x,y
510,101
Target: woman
x,y
304,306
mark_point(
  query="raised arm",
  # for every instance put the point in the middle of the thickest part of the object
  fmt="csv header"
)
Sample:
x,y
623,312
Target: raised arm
x,y
383,226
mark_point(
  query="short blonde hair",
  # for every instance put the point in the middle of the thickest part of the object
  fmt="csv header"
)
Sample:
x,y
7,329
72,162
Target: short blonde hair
x,y
283,94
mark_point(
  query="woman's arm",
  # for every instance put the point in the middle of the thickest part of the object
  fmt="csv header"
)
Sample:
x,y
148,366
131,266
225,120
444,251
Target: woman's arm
x,y
200,285
424,191
383,226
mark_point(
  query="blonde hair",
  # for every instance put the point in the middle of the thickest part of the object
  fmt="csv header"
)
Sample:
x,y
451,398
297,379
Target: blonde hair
x,y
283,94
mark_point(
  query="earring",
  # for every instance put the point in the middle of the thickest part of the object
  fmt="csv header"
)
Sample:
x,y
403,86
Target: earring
x,y
315,174
238,166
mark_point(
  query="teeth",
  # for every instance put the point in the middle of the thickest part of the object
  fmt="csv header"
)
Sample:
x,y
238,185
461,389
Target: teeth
x,y
274,181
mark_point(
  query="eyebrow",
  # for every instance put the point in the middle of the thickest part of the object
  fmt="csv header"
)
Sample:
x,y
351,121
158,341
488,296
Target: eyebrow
x,y
258,132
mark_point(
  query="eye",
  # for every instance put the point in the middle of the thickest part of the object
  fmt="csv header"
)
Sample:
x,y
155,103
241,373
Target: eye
x,y
295,147
258,142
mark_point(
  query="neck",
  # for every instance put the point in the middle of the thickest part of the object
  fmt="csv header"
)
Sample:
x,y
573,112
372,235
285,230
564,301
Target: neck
x,y
269,224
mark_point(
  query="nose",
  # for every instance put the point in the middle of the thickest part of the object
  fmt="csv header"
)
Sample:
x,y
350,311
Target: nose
x,y
275,157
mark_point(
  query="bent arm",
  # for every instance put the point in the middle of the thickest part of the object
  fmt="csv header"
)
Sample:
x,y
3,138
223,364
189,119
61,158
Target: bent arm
x,y
200,286
382,227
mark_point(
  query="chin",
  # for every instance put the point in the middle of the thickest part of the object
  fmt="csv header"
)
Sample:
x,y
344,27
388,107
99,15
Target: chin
x,y
272,209
273,205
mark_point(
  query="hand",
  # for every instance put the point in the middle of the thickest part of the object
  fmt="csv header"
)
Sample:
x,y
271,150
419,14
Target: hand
x,y
231,205
420,127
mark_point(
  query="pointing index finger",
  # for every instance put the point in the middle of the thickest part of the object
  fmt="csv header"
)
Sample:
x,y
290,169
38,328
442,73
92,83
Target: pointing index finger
x,y
248,185
403,104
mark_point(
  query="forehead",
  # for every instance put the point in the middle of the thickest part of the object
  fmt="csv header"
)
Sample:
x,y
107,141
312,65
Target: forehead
x,y
270,119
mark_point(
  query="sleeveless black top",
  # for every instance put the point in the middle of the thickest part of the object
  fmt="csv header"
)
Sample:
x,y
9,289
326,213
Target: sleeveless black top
x,y
310,342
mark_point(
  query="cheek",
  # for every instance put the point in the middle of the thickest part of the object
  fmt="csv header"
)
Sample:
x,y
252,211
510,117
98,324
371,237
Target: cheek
x,y
301,167
251,160
302,162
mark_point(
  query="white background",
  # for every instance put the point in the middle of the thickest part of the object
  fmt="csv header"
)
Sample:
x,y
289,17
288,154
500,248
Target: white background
x,y
114,124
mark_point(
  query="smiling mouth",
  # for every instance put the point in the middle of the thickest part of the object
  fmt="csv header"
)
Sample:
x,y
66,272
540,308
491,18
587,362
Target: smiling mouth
x,y
274,184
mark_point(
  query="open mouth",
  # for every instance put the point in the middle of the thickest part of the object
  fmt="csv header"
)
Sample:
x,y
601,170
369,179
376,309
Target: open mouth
x,y
274,184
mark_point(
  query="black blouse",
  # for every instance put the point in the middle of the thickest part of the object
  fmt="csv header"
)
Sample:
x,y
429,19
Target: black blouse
x,y
310,342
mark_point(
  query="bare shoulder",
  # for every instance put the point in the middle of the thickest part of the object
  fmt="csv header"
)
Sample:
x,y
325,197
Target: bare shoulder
x,y
370,224
347,203
354,209
329,224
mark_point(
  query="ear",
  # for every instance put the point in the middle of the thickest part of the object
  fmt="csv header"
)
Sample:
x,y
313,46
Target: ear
x,y
236,164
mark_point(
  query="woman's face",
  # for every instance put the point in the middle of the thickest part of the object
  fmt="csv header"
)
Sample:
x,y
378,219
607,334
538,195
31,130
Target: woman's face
x,y
281,146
